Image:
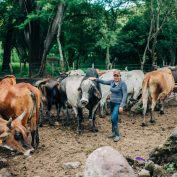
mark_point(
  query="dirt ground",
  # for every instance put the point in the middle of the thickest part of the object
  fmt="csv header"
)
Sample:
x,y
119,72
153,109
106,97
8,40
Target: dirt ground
x,y
62,144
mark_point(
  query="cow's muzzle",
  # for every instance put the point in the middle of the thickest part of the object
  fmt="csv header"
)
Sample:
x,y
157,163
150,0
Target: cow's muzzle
x,y
84,102
28,152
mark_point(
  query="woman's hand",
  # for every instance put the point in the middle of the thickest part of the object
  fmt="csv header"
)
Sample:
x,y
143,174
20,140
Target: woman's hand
x,y
92,78
121,110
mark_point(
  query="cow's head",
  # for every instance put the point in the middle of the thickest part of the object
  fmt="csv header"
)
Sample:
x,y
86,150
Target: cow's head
x,y
88,89
9,80
174,73
14,135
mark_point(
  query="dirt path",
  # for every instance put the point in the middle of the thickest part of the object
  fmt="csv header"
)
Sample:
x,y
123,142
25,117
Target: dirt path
x,y
61,144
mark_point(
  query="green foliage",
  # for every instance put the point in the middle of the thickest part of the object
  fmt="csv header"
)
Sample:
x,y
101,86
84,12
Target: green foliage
x,y
89,27
170,167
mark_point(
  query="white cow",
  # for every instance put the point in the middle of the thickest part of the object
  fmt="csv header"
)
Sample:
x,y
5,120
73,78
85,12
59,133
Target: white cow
x,y
78,72
133,79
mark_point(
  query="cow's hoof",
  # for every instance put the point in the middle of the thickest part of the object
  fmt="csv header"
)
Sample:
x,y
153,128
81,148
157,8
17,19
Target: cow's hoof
x,y
79,132
40,125
94,130
52,124
161,112
143,124
152,121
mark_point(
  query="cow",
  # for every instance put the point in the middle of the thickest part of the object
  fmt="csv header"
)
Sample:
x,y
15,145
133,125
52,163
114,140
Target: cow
x,y
78,72
81,92
133,80
157,86
14,136
51,94
16,98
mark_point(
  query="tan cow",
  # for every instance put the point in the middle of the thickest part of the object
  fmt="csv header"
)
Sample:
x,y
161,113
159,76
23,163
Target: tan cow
x,y
157,85
13,135
17,98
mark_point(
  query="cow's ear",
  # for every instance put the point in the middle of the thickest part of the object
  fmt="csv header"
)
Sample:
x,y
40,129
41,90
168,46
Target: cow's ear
x,y
96,93
20,118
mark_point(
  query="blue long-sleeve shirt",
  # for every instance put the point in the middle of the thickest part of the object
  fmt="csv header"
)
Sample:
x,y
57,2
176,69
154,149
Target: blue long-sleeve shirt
x,y
118,92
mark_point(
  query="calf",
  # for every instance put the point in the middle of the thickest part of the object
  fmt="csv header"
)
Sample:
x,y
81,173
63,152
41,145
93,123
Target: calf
x,y
14,136
50,95
157,86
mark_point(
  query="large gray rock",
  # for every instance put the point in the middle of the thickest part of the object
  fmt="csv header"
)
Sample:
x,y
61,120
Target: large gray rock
x,y
107,162
166,152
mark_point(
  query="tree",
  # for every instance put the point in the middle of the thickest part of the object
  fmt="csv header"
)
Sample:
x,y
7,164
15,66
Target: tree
x,y
160,12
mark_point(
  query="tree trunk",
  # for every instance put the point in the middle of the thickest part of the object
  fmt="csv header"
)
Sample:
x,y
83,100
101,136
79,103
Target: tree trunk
x,y
60,48
7,49
172,57
35,49
61,55
108,63
52,31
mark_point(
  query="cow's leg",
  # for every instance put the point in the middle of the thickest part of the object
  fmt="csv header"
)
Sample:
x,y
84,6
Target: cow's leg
x,y
51,121
152,119
58,108
162,107
34,132
93,117
41,115
102,108
161,98
145,103
68,118
79,120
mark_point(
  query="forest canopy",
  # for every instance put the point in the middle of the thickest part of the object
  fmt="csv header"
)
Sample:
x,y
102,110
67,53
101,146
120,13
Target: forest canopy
x,y
105,33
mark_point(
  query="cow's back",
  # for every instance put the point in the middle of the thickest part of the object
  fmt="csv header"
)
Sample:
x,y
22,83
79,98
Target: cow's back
x,y
159,81
70,86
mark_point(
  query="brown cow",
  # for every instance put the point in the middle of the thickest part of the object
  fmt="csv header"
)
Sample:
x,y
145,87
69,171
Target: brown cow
x,y
15,98
13,135
157,85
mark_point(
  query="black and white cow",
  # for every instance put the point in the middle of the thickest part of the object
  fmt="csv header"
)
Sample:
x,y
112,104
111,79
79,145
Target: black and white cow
x,y
81,92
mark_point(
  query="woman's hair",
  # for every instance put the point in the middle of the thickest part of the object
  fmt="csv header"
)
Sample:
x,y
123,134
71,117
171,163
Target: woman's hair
x,y
116,72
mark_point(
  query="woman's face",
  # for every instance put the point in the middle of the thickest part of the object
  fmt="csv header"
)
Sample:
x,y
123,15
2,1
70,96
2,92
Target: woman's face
x,y
116,77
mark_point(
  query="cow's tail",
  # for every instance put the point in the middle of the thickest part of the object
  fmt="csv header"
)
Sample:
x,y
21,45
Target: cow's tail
x,y
145,95
34,105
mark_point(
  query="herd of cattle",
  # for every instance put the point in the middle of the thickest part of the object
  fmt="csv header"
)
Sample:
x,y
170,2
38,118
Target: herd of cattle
x,y
22,104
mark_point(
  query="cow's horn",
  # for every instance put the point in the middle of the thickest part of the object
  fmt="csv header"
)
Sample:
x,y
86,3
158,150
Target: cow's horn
x,y
3,135
20,118
40,82
9,123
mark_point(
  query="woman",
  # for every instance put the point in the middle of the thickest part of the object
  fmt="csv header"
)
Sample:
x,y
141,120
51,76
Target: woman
x,y
117,100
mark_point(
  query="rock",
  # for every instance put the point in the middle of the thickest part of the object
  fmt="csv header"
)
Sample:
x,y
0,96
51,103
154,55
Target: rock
x,y
71,165
149,166
171,100
107,162
164,152
172,158
174,175
144,173
137,108
158,171
4,173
